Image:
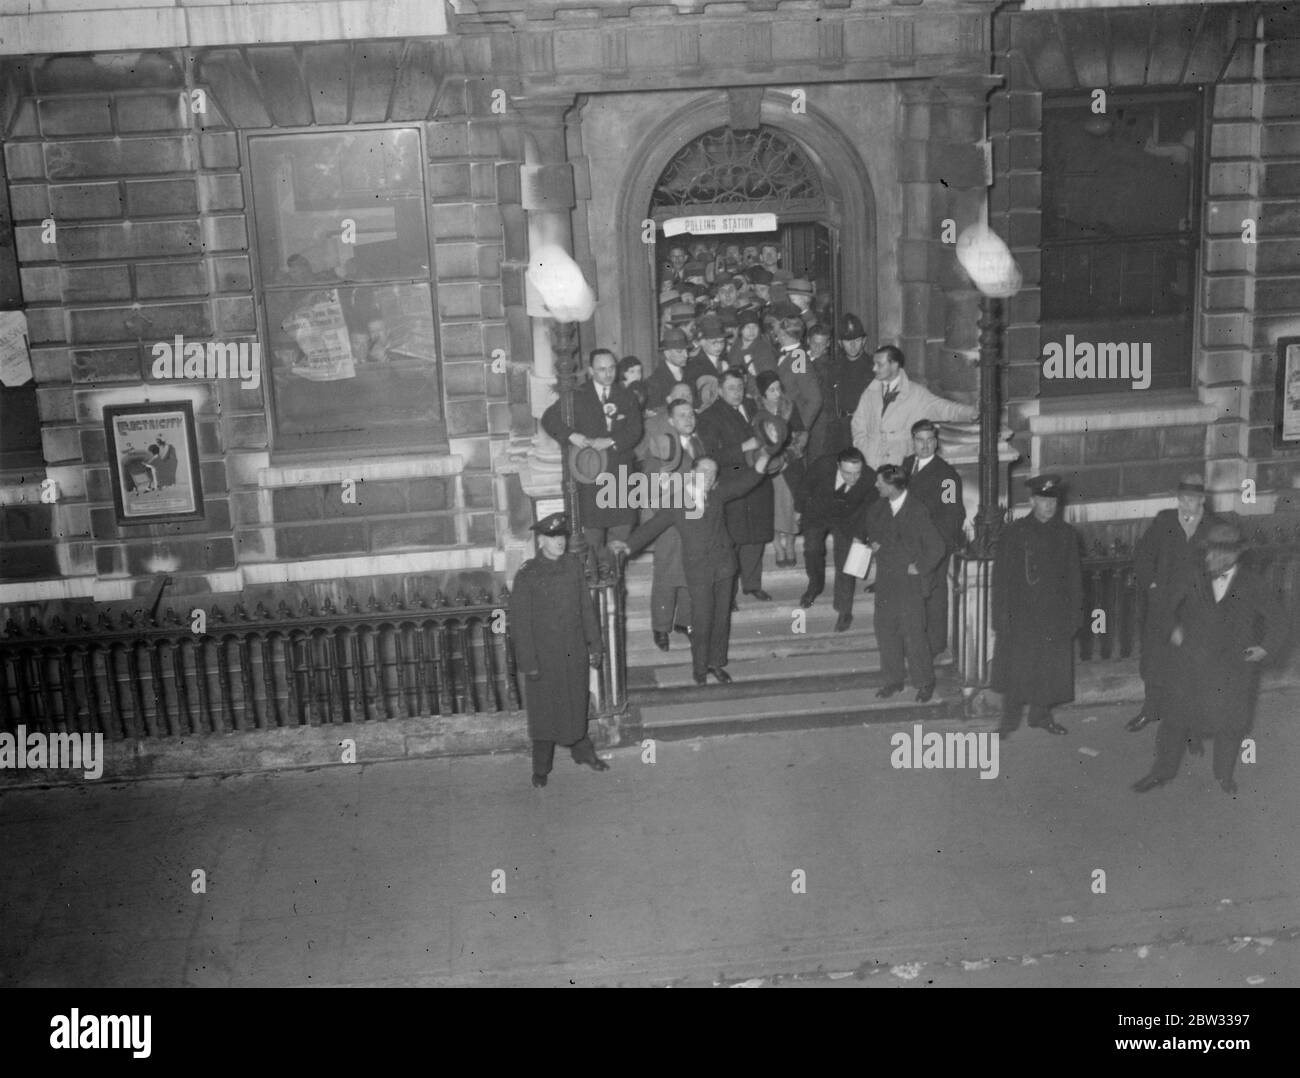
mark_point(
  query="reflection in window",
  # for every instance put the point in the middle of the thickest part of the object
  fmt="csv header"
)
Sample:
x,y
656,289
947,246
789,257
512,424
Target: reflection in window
x,y
343,254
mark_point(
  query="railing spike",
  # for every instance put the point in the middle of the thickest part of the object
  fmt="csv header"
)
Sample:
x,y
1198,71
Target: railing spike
x,y
128,622
218,614
352,606
83,626
419,600
105,622
171,617
372,604
283,611
461,598
304,608
240,612
260,611
56,624
327,607
394,603
439,599
503,596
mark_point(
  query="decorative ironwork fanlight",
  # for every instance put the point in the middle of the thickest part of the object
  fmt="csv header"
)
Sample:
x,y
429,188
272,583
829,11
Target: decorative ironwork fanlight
x,y
738,168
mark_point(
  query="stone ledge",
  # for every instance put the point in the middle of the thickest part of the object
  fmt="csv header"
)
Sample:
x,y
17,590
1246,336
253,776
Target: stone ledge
x,y
1092,418
302,475
309,746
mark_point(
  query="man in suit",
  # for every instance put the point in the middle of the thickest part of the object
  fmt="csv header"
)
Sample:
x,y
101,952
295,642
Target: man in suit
x,y
711,343
670,446
708,555
605,417
1165,561
671,369
936,485
833,501
727,431
1037,610
1226,622
908,548
849,375
798,378
882,421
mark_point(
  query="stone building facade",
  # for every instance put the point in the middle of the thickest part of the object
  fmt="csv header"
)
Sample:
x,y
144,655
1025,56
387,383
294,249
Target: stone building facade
x,y
553,122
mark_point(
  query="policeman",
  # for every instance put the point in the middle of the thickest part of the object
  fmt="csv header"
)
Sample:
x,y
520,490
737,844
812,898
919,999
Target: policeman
x,y
556,635
849,374
1037,610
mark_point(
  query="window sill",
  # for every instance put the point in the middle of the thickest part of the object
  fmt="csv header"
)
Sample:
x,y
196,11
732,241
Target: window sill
x,y
1108,411
372,468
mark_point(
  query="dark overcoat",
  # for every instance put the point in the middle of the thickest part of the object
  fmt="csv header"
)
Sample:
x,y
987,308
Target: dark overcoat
x,y
723,431
1037,610
1165,563
554,629
1214,685
623,424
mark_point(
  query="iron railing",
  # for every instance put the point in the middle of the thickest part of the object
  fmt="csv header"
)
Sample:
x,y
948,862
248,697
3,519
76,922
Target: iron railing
x,y
134,675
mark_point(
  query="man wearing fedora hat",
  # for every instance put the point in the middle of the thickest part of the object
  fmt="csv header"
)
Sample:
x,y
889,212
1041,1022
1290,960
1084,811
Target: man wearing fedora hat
x,y
711,343
556,635
606,429
1225,623
1165,560
671,368
1037,610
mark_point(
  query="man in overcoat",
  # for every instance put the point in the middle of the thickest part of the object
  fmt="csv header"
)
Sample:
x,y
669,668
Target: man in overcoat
x,y
1226,622
934,482
727,430
1165,561
833,500
708,556
1037,610
556,635
606,416
907,548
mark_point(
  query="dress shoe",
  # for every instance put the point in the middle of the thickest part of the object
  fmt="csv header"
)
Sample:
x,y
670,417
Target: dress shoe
x,y
807,599
924,693
661,641
887,691
718,672
700,679
1053,727
1229,786
596,764
843,622
1148,782
539,780
760,594
1140,721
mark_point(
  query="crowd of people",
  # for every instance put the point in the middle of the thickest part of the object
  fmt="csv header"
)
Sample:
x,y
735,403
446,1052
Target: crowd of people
x,y
769,428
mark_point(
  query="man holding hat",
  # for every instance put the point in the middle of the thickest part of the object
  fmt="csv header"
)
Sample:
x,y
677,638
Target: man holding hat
x,y
606,421
1037,610
671,369
1165,561
935,484
848,376
556,635
1226,622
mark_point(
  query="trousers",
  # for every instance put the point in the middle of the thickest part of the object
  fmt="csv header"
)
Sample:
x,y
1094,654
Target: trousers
x,y
1174,734
814,556
1013,708
711,629
900,631
936,609
751,565
544,754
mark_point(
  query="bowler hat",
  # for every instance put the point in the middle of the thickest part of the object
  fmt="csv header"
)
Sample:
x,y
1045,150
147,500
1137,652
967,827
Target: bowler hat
x,y
798,286
710,326
674,338
1045,486
771,429
587,462
681,313
555,524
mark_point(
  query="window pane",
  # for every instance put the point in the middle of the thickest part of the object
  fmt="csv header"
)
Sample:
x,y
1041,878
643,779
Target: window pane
x,y
355,366
339,207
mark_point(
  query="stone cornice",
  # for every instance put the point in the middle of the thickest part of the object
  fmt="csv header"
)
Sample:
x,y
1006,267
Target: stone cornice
x,y
472,14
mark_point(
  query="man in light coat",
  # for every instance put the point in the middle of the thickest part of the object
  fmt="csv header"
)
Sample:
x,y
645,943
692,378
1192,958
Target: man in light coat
x,y
882,422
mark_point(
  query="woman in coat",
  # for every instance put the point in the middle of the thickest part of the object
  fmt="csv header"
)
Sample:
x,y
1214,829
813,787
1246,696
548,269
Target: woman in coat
x,y
556,634
786,468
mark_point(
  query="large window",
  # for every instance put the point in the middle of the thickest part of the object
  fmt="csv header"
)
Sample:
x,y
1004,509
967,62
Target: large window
x,y
1121,227
345,272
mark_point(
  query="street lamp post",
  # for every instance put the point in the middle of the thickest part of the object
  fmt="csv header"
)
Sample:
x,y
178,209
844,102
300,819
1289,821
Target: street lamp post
x,y
988,262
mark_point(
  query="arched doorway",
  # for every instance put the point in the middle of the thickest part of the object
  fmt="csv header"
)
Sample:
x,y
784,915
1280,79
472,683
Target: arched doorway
x,y
840,215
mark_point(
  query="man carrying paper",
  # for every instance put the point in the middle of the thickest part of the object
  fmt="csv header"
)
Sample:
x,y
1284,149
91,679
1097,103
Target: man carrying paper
x,y
833,500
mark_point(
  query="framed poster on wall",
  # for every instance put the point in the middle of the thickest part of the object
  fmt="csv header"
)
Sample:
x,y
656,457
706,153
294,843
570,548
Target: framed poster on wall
x,y
1287,434
154,454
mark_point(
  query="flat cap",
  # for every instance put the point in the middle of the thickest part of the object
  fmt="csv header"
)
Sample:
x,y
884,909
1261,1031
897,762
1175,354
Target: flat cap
x,y
1046,486
555,524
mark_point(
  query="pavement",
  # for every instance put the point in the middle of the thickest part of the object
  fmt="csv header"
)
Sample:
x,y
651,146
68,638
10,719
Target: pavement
x,y
779,858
